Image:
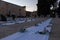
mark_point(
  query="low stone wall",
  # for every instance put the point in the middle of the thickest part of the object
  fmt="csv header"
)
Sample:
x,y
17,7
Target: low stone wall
x,y
55,34
8,30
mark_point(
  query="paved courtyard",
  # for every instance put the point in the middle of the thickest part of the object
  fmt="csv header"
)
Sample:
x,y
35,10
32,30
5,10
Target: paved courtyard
x,y
32,33
10,29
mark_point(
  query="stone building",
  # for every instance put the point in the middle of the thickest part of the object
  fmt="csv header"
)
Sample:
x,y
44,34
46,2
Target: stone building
x,y
28,14
31,14
34,14
9,8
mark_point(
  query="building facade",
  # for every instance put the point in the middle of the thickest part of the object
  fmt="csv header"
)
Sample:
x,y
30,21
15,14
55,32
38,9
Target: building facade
x,y
12,9
31,14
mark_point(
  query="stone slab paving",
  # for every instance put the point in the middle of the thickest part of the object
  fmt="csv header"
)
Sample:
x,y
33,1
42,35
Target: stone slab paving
x,y
55,34
10,29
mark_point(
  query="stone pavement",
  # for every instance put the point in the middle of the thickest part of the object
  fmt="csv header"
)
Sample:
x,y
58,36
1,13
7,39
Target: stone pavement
x,y
55,34
8,30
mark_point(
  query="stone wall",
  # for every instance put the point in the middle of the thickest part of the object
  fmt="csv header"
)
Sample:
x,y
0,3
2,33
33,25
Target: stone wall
x,y
55,34
6,8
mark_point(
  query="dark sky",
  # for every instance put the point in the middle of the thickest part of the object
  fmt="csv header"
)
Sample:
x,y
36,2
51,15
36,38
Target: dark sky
x,y
30,4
